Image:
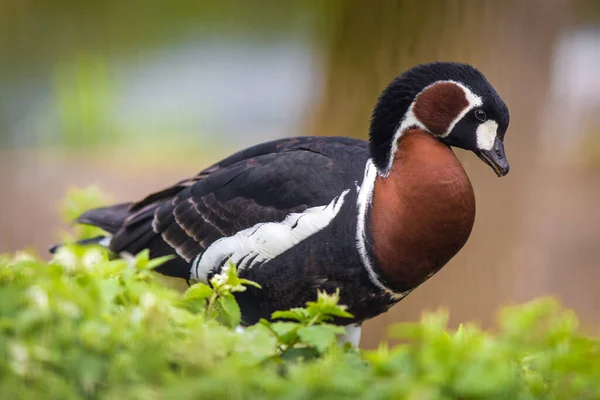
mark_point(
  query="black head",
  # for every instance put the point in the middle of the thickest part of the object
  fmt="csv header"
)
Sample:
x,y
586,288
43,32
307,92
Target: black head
x,y
452,101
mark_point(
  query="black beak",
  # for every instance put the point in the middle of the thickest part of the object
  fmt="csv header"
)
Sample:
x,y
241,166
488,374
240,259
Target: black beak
x,y
495,158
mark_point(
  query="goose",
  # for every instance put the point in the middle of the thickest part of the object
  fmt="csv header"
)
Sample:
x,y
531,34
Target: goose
x,y
373,218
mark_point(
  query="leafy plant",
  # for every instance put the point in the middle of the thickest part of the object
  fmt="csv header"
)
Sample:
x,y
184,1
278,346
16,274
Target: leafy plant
x,y
307,328
86,326
218,299
76,202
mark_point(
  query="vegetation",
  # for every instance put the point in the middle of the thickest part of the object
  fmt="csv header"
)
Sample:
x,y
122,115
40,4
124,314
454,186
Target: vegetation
x,y
86,326
82,326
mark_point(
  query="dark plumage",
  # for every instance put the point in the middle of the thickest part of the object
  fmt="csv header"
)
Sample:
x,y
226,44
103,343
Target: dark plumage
x,y
374,219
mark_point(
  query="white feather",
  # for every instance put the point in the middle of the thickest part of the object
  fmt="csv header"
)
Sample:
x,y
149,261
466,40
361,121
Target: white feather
x,y
265,241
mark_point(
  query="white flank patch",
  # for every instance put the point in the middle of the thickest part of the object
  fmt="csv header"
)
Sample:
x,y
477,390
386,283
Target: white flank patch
x,y
486,135
365,196
265,241
411,121
351,336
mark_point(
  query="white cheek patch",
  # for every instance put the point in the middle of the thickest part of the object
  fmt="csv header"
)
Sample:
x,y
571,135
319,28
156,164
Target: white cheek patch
x,y
486,135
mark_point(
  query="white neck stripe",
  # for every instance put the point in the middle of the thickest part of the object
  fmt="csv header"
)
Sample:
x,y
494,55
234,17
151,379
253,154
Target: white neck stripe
x,y
365,196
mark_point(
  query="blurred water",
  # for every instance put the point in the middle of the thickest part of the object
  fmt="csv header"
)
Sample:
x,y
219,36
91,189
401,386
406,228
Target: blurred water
x,y
215,72
85,87
235,89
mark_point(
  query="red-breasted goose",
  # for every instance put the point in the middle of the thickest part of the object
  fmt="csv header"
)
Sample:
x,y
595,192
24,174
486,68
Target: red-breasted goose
x,y
374,219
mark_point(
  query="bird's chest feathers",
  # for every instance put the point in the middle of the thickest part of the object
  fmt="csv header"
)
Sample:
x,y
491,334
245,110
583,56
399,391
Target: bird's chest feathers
x,y
422,212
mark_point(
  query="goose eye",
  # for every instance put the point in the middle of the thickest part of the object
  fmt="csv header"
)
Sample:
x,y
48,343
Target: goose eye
x,y
481,115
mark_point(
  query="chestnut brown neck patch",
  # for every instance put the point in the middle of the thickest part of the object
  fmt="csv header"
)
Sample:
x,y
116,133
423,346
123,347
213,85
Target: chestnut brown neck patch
x,y
422,213
439,105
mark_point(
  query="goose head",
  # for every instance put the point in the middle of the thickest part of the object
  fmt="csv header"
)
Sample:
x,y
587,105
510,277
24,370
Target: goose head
x,y
454,102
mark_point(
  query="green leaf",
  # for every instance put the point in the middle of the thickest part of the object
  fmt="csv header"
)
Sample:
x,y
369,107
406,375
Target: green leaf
x,y
286,332
259,343
297,314
195,298
336,311
283,328
247,282
142,258
321,337
198,291
296,354
156,262
326,307
230,310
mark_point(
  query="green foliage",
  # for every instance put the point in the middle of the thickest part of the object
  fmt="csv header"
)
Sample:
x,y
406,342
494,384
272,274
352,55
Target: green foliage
x,y
309,335
76,202
84,326
218,298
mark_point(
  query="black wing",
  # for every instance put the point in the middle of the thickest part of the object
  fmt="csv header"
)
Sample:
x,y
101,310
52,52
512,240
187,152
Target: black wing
x,y
261,184
275,146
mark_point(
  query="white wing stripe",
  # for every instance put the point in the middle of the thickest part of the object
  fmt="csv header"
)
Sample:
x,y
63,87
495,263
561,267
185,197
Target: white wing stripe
x,y
266,240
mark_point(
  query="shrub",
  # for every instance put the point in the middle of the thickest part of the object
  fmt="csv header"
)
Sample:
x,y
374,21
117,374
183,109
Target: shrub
x,y
85,326
82,326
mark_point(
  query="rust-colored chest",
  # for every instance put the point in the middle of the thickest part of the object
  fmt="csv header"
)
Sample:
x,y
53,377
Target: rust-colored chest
x,y
422,213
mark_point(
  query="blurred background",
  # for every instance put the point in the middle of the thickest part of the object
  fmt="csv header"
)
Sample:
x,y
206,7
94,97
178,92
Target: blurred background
x,y
133,95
